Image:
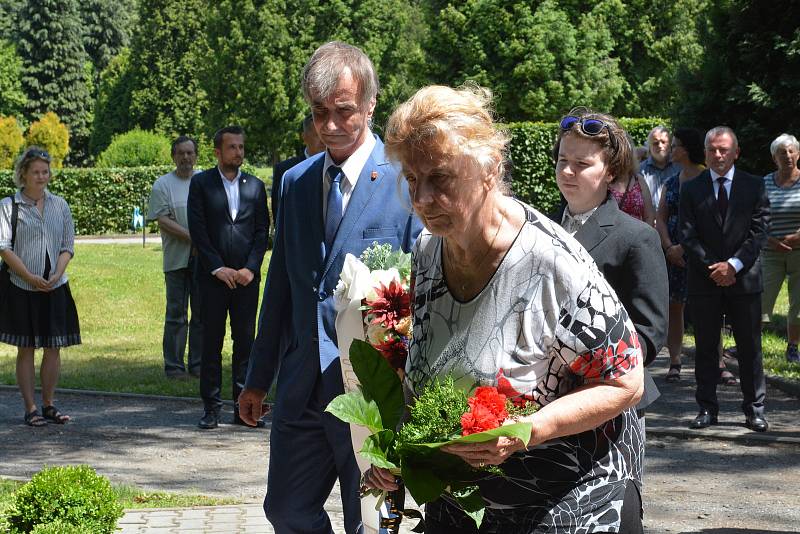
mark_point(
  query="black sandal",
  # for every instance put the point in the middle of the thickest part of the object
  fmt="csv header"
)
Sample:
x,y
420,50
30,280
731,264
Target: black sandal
x,y
34,419
52,414
676,375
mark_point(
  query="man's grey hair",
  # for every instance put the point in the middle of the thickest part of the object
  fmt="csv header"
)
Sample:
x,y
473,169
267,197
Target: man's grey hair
x,y
321,73
783,140
716,131
658,129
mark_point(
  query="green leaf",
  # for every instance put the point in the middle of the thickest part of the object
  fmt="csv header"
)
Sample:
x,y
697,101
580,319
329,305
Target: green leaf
x,y
471,501
378,381
353,408
377,447
520,431
422,483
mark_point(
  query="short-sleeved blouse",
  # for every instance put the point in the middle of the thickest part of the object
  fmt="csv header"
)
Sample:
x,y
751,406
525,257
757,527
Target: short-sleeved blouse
x,y
545,323
631,201
784,207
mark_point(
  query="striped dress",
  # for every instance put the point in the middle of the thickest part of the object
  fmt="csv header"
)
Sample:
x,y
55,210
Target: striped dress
x,y
784,207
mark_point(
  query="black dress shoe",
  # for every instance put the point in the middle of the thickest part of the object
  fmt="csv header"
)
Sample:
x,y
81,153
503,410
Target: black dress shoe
x,y
209,420
238,421
704,419
756,423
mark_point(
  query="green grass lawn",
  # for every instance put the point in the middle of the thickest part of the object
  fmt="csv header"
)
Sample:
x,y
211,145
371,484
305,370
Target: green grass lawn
x,y
119,292
773,341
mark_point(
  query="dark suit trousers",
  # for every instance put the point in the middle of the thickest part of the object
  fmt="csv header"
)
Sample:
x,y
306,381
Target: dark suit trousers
x,y
217,302
744,315
306,457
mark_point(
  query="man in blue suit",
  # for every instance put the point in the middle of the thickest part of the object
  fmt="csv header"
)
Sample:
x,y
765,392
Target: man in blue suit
x,y
334,203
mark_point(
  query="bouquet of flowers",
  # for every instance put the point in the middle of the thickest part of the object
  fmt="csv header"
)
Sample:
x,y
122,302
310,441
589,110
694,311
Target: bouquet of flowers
x,y
441,415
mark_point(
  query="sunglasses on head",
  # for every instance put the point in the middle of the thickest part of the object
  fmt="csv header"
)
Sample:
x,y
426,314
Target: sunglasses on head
x,y
36,153
590,127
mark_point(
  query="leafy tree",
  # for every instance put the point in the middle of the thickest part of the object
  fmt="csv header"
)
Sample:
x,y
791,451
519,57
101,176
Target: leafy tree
x,y
52,135
9,10
167,53
53,73
12,98
11,141
535,59
262,47
747,78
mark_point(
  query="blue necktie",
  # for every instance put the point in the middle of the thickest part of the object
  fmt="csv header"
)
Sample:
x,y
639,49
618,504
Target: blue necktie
x,y
334,215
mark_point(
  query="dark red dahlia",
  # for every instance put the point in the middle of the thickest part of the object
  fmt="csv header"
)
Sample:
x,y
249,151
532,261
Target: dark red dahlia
x,y
391,305
395,350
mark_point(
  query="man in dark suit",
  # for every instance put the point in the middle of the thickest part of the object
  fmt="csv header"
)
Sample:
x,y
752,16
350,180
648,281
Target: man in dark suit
x,y
313,145
724,214
228,223
332,204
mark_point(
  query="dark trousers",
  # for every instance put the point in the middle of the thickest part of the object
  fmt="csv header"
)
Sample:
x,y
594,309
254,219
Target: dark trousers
x,y
306,457
743,313
217,302
183,292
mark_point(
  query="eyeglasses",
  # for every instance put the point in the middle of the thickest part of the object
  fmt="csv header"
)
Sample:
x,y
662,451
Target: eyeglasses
x,y
590,127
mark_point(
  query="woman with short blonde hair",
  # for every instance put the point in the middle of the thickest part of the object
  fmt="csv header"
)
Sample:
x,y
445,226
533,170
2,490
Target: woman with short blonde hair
x,y
36,305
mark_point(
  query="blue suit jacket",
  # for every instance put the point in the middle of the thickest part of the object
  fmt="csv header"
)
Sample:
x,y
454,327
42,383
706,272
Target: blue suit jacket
x,y
297,319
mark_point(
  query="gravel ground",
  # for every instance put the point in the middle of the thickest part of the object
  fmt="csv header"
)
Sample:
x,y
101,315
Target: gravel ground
x,y
723,480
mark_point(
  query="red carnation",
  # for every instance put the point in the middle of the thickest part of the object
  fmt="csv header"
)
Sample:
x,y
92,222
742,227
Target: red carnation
x,y
491,399
391,305
478,419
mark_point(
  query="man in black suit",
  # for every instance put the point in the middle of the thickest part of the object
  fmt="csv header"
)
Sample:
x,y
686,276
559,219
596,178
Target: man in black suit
x,y
724,214
313,145
228,223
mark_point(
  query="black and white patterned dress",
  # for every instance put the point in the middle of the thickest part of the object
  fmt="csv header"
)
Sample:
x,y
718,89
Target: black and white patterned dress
x,y
545,323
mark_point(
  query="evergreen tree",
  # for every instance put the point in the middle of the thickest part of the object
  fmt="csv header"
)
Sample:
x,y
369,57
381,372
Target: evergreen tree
x,y
113,103
167,54
54,76
106,29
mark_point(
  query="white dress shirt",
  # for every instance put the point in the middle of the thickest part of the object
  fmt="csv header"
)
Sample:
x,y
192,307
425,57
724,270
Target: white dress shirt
x,y
572,223
351,167
232,192
736,262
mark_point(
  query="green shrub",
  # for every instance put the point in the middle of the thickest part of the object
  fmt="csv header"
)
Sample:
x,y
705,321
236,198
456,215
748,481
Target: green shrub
x,y
76,495
11,142
531,148
62,527
52,135
136,148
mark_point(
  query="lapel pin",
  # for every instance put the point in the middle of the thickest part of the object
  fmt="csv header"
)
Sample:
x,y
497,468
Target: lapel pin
x,y
244,181
373,176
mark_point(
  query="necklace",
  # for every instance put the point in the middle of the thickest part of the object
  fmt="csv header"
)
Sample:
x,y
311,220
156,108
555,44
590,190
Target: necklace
x,y
448,252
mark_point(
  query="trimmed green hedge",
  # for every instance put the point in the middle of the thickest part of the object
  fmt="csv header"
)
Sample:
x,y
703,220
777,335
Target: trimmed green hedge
x,y
102,200
533,172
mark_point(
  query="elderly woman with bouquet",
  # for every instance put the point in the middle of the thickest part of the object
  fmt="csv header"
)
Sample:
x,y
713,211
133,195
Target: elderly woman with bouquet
x,y
504,297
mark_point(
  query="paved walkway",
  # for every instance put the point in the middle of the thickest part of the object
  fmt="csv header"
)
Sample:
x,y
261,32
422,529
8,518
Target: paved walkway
x,y
724,479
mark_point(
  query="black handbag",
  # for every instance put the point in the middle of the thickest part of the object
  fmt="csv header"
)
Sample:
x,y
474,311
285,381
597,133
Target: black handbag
x,y
5,275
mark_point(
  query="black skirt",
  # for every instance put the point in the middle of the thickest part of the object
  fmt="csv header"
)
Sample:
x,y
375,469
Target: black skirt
x,y
39,319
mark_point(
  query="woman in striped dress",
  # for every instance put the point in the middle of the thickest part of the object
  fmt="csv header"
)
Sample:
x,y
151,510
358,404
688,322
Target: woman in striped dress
x,y
781,256
36,306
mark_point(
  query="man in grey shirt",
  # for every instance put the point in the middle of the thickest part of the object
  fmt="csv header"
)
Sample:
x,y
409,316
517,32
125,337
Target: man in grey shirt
x,y
658,166
168,201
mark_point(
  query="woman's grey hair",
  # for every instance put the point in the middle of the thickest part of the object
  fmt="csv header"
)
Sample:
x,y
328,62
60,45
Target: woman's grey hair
x,y
721,130
783,140
30,155
321,73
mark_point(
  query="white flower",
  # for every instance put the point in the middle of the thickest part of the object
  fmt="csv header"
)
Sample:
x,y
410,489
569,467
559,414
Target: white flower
x,y
381,276
355,279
